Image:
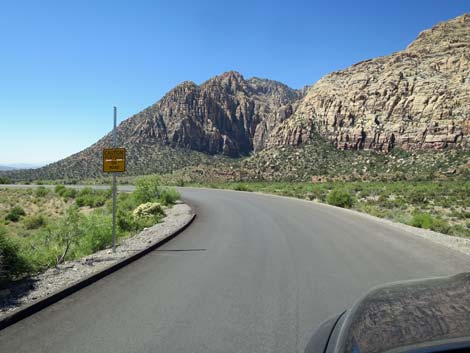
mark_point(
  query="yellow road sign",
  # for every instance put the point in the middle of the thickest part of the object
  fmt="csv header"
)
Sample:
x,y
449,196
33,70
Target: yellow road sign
x,y
114,160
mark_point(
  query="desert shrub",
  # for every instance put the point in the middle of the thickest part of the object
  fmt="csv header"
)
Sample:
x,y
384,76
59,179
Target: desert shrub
x,y
97,234
460,230
383,197
365,193
169,196
373,210
15,214
460,215
69,193
421,220
125,221
59,189
418,196
5,180
85,191
147,189
427,221
12,263
125,201
125,205
66,233
241,187
340,198
41,191
440,225
148,209
92,198
34,222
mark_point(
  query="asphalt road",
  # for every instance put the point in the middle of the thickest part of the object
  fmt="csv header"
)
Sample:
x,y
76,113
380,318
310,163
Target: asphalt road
x,y
253,274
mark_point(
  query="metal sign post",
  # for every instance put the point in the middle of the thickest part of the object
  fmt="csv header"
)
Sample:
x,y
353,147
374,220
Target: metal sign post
x,y
114,184
114,161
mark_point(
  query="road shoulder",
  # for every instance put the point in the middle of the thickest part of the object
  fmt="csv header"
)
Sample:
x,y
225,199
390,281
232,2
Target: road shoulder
x,y
40,291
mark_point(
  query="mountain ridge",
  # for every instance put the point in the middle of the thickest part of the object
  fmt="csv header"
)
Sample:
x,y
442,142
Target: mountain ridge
x,y
414,99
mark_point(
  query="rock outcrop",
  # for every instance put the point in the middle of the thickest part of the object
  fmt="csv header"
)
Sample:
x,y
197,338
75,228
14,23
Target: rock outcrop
x,y
226,114
418,98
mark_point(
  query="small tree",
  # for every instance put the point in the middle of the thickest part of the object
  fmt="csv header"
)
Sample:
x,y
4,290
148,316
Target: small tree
x,y
67,232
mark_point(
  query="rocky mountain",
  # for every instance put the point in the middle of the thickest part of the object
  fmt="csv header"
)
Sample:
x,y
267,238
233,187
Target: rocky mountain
x,y
417,98
225,115
192,124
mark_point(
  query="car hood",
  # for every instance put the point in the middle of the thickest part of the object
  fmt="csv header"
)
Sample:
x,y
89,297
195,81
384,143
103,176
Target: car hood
x,y
409,314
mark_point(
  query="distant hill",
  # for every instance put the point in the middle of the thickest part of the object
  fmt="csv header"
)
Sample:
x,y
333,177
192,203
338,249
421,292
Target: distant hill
x,y
413,100
17,166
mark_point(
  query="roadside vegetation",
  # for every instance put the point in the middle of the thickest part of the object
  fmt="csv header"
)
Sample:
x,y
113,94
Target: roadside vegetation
x,y
42,227
442,206
5,180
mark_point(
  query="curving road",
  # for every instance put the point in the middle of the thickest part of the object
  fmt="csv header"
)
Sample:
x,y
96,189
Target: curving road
x,y
256,274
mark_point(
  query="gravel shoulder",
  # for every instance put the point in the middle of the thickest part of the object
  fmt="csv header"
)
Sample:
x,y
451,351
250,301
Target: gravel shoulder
x,y
54,279
456,243
453,242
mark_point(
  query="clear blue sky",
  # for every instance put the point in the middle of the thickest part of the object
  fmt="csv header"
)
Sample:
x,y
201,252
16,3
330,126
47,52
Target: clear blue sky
x,y
64,64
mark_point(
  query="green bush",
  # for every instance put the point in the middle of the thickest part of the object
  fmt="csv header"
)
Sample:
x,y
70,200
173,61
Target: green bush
x,y
427,221
66,233
85,191
59,189
125,221
92,198
421,220
460,230
125,202
340,198
169,196
440,225
69,193
12,263
147,189
34,222
15,214
41,191
241,187
5,180
96,230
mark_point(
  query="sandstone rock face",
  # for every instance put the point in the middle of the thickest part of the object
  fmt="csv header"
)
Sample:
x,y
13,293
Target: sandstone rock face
x,y
418,98
227,114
